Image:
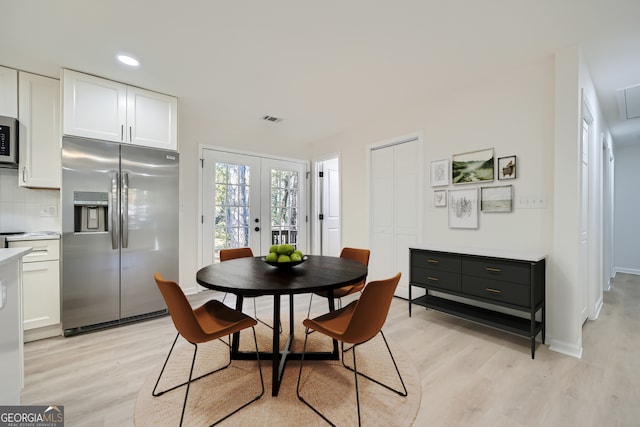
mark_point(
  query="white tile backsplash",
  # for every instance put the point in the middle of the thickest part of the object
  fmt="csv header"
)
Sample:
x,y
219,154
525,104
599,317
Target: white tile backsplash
x,y
21,208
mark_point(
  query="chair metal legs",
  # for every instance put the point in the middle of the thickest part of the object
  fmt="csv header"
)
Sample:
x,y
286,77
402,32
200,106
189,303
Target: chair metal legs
x,y
356,373
188,383
255,314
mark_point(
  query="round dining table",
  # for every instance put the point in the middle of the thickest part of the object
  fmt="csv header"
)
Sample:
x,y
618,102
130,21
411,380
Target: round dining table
x,y
252,276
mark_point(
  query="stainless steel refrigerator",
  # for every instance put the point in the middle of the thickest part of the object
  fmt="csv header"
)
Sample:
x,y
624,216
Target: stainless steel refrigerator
x,y
119,226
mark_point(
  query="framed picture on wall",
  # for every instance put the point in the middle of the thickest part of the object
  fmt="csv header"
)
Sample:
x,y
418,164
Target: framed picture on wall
x,y
463,208
475,166
507,167
496,199
440,198
439,173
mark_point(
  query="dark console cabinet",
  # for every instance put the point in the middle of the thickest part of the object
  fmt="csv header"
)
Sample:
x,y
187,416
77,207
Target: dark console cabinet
x,y
517,283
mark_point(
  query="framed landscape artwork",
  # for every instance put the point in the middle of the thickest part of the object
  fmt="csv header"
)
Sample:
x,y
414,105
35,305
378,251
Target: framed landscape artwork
x,y
507,167
439,173
476,166
496,199
440,198
463,208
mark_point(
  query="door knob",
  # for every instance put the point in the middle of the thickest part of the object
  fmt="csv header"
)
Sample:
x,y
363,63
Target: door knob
x,y
257,229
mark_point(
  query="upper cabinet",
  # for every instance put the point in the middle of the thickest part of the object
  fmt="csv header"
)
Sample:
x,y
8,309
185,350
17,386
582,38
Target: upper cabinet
x,y
39,136
8,92
102,109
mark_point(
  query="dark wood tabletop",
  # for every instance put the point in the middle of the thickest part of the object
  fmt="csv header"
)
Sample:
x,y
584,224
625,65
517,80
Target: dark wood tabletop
x,y
253,276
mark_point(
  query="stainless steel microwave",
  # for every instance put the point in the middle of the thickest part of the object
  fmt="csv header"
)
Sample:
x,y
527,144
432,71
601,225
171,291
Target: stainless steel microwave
x,y
8,142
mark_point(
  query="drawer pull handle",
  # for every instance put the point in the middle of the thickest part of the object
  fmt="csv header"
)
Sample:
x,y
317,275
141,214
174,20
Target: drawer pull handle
x,y
433,261
433,279
493,291
495,270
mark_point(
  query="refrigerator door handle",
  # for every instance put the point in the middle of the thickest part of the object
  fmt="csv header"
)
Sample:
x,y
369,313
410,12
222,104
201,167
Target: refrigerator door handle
x,y
113,210
125,209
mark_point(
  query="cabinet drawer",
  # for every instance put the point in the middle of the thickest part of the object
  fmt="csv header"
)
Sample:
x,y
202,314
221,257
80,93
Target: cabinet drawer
x,y
506,292
43,250
508,271
436,261
436,279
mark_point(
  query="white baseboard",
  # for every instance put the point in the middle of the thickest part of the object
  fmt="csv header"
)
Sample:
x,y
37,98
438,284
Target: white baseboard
x,y
599,305
627,270
566,348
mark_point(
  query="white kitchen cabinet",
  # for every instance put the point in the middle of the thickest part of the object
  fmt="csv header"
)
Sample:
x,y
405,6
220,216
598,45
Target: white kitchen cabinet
x,y
8,92
97,108
40,286
39,118
152,119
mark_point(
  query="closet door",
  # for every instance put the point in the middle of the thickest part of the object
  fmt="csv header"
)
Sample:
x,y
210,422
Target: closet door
x,y
395,209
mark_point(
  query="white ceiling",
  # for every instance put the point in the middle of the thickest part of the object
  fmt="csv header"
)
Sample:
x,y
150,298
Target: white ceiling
x,y
322,66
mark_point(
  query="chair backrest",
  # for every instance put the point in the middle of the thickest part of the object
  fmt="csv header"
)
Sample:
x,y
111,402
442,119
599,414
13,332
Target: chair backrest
x,y
360,255
371,310
180,310
233,253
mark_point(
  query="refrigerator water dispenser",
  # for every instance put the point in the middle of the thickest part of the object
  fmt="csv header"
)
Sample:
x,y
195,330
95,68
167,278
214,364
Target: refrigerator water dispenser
x,y
90,211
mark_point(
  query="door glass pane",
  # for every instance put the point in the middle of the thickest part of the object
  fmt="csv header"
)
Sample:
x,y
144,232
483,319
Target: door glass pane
x,y
231,224
284,207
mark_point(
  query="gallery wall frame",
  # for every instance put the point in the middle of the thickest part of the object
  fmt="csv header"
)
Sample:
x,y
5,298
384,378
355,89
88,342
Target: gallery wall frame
x,y
440,198
440,173
473,167
463,208
496,199
507,168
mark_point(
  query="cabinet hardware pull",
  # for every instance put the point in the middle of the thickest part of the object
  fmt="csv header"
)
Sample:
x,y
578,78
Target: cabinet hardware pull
x,y
433,261
495,291
433,279
497,270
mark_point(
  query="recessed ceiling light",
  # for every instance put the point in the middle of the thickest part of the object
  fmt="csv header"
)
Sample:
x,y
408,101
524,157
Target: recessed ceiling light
x,y
128,60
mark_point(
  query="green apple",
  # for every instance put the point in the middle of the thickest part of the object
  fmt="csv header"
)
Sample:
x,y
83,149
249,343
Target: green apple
x,y
272,257
299,253
295,257
284,258
285,249
273,249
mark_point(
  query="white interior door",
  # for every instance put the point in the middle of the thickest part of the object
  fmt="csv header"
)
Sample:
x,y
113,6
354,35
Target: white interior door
x,y
395,209
584,221
330,208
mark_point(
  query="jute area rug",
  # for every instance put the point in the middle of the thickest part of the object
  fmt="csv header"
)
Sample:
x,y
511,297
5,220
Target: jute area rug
x,y
326,384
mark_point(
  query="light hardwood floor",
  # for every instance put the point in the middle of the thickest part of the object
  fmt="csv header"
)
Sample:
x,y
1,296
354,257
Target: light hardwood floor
x,y
471,375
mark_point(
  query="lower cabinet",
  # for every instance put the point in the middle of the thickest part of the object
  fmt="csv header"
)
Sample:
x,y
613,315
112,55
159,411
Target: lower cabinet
x,y
40,288
474,287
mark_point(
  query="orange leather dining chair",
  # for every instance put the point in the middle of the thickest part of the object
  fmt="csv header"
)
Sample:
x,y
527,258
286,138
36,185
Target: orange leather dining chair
x,y
356,324
208,322
233,253
355,254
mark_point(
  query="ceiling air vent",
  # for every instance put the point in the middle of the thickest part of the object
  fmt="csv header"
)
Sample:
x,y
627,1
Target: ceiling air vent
x,y
272,119
629,102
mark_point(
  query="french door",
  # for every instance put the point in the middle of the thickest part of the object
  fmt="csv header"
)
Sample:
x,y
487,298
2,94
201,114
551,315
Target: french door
x,y
251,201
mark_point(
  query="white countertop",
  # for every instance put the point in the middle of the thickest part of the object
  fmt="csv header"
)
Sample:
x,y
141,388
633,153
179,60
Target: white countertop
x,y
518,255
37,235
8,255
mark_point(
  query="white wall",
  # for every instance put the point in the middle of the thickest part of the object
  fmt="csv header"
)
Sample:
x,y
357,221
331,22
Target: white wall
x,y
197,126
627,206
513,112
532,112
